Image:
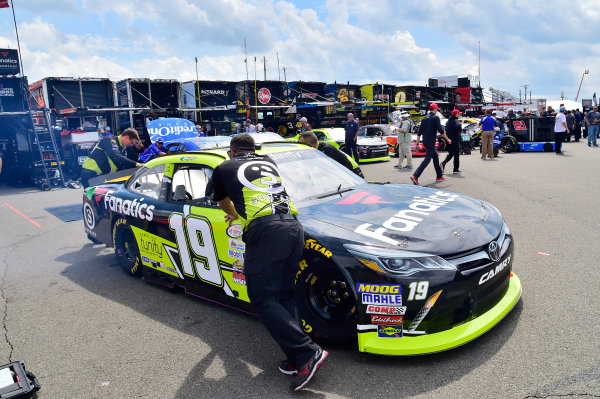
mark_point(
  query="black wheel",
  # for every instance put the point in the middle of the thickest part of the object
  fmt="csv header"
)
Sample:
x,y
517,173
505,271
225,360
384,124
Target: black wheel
x,y
396,153
126,248
509,144
326,303
496,151
548,147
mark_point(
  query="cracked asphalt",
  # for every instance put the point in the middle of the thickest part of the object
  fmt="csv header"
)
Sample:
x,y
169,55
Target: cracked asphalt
x,y
87,330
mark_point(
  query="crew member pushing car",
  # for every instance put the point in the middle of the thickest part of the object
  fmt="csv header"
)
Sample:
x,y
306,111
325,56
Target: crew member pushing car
x,y
249,187
107,156
309,138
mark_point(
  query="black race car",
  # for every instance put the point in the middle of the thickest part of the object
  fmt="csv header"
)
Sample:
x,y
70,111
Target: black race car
x,y
399,269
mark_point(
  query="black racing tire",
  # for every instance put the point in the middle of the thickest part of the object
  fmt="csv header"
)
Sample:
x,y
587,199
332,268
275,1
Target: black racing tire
x,y
318,285
126,248
509,144
342,147
396,151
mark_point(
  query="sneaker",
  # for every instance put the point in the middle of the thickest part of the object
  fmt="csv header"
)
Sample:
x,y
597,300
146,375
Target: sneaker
x,y
457,172
443,167
306,372
595,145
440,179
408,167
414,180
286,368
589,145
398,166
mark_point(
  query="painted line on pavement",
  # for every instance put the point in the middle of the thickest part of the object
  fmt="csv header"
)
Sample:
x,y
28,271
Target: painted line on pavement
x,y
22,214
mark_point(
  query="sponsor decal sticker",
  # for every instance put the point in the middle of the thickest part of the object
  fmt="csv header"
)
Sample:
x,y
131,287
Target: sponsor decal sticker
x,y
239,278
380,319
88,216
379,288
312,244
234,231
148,243
387,310
384,331
232,253
237,244
494,272
380,299
407,219
187,158
238,265
145,259
128,207
423,312
264,95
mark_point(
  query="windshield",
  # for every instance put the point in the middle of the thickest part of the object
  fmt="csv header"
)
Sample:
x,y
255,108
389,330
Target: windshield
x,y
337,134
310,173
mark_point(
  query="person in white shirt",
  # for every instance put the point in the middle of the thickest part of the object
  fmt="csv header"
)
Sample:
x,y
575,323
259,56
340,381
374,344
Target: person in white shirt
x,y
560,130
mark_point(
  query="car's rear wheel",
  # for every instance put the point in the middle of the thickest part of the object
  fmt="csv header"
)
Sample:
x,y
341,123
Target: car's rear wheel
x,y
326,303
443,144
508,144
126,248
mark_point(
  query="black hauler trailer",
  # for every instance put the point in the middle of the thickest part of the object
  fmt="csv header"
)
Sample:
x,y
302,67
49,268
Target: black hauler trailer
x,y
213,104
78,110
142,100
529,134
265,102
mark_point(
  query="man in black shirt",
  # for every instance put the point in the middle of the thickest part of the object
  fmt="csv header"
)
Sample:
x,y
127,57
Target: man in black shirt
x,y
249,187
108,156
352,128
453,129
430,126
310,139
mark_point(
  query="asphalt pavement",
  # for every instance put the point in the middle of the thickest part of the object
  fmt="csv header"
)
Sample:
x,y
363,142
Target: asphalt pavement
x,y
87,330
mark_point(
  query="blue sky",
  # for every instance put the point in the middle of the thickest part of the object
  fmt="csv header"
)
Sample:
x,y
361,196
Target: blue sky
x,y
544,44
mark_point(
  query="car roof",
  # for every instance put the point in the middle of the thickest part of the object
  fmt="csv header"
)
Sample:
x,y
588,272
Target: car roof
x,y
213,157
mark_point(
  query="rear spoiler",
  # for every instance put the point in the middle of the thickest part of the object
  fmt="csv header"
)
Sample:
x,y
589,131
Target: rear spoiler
x,y
120,176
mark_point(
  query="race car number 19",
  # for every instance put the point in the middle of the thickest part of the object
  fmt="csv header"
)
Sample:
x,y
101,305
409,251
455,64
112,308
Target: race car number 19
x,y
197,233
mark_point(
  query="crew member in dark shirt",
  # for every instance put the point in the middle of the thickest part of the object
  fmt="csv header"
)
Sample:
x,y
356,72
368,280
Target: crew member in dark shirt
x,y
430,126
453,129
108,156
309,138
352,128
249,187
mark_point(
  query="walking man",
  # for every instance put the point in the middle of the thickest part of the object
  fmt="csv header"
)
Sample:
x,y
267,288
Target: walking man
x,y
570,125
487,135
403,141
352,128
592,119
249,187
453,129
577,131
561,129
430,126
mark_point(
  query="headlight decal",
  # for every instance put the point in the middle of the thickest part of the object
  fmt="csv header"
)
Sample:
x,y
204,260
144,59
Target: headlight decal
x,y
423,312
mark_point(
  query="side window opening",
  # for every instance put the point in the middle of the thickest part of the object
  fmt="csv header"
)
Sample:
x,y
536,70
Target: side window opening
x,y
148,182
191,184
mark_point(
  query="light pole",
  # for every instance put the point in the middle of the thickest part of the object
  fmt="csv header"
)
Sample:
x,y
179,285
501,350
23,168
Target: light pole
x,y
584,73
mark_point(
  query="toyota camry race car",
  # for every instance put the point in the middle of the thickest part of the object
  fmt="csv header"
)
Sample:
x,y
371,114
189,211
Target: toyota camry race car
x,y
385,132
369,149
398,269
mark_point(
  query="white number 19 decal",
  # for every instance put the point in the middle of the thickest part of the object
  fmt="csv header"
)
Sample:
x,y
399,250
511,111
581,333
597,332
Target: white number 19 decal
x,y
418,290
197,233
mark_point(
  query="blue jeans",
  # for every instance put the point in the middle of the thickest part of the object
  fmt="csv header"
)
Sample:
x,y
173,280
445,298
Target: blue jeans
x,y
592,133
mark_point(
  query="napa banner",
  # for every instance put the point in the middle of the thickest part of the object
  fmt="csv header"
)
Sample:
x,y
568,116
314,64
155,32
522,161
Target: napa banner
x,y
171,129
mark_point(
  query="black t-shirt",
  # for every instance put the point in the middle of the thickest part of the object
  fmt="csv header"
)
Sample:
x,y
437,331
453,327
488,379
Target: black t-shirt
x,y
430,126
351,128
335,154
253,183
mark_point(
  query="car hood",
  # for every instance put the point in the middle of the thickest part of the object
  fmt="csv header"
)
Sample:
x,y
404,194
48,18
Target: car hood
x,y
403,217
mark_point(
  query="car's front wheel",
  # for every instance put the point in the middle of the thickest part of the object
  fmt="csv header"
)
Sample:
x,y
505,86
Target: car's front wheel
x,y
508,144
326,303
126,248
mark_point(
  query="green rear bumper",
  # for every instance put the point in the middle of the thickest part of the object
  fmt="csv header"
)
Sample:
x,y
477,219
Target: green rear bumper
x,y
430,343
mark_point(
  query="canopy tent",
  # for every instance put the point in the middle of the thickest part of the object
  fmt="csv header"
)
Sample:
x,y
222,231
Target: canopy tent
x,y
568,104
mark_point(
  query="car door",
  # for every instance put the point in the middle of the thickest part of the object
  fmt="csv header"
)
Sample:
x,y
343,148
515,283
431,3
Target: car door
x,y
203,250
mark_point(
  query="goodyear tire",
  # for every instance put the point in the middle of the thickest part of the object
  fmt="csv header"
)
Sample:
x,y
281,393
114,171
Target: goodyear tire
x,y
126,248
508,144
326,303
